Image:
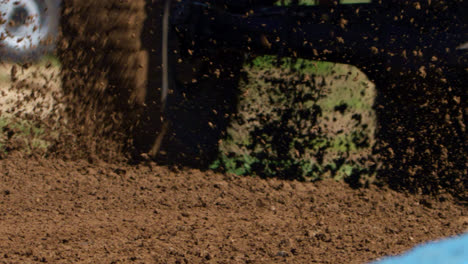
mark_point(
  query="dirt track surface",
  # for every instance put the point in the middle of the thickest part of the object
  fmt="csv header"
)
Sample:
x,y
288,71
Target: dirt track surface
x,y
58,211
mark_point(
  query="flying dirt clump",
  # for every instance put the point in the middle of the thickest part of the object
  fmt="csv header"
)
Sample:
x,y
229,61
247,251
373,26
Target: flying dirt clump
x,y
422,131
31,91
31,107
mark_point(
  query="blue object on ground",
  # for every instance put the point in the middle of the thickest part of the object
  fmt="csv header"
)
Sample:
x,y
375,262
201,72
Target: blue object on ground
x,y
448,251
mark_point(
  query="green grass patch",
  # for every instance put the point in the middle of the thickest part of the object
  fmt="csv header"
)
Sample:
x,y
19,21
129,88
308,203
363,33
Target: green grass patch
x,y
49,60
299,65
4,77
23,135
301,119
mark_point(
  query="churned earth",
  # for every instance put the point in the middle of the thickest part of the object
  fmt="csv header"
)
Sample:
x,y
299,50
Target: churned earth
x,y
58,211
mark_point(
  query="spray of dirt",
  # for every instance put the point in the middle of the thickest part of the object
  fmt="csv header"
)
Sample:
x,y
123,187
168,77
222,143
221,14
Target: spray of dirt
x,y
421,119
103,68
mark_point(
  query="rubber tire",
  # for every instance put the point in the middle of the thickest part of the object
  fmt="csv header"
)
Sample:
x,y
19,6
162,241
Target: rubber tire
x,y
104,69
50,15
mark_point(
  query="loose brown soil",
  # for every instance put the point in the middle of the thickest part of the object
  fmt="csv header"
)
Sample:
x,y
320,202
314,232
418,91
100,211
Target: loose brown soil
x,y
59,211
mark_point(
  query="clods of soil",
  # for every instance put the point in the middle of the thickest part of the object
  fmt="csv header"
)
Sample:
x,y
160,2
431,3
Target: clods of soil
x,y
55,211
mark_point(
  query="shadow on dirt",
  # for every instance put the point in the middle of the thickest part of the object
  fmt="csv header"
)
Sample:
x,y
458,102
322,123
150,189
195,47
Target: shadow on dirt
x,y
201,100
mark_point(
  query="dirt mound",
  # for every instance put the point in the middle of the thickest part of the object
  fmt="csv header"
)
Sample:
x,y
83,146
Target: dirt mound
x,y
55,211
